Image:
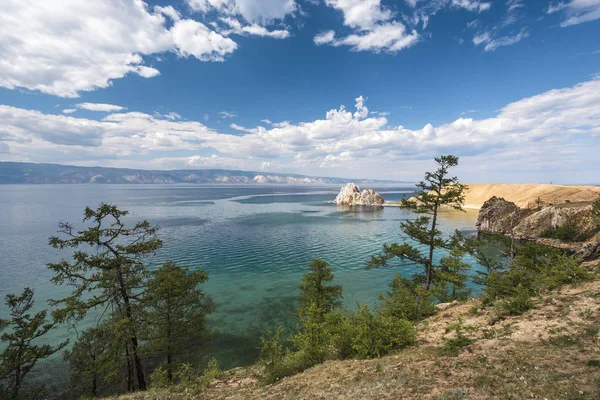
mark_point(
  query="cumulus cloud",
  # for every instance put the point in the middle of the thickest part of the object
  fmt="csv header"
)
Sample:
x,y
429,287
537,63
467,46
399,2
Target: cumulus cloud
x,y
69,110
99,107
69,46
544,131
576,11
373,28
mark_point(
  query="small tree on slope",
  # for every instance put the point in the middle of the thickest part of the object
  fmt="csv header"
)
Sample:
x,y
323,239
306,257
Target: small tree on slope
x,y
437,190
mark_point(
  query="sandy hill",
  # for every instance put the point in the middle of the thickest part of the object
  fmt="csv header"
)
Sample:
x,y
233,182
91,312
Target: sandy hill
x,y
525,194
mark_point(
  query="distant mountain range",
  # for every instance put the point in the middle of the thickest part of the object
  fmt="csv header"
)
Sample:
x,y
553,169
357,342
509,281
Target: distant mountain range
x,y
18,172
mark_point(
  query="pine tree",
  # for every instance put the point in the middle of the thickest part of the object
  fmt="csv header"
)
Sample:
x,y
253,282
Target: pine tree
x,y
21,353
177,307
437,190
110,277
318,300
97,362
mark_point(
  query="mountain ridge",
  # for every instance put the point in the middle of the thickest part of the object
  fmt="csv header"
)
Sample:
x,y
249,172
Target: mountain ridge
x,y
48,173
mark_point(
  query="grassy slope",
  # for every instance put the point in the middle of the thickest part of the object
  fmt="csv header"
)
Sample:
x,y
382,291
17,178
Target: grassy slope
x,y
550,352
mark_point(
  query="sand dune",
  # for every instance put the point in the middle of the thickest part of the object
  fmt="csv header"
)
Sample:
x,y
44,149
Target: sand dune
x,y
525,194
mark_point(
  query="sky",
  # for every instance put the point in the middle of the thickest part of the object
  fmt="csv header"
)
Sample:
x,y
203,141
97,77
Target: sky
x,y
345,88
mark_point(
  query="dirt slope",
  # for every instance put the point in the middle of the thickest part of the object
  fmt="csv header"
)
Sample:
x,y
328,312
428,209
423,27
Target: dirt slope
x,y
550,352
524,194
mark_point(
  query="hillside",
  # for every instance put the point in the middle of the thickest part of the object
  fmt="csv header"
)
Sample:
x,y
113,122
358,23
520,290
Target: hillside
x,y
31,173
550,352
525,194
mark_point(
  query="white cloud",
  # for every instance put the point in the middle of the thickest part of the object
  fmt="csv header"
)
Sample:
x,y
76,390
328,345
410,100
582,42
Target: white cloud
x,y
99,107
576,11
472,5
259,11
227,114
236,27
378,29
492,43
373,30
266,121
552,132
69,110
64,47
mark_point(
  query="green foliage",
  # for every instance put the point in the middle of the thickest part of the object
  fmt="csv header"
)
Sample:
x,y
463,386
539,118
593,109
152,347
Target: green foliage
x,y
407,299
437,190
21,353
459,340
210,373
109,277
567,232
596,208
97,362
175,314
534,270
318,300
159,378
273,357
451,277
317,297
376,335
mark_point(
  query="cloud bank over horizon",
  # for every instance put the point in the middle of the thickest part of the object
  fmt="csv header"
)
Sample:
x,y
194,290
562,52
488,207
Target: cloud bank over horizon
x,y
555,130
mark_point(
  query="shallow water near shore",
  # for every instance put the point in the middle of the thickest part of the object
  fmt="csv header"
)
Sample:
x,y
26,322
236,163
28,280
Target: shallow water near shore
x,y
255,242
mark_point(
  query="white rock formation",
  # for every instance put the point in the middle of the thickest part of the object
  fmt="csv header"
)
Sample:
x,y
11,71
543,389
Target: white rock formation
x,y
351,195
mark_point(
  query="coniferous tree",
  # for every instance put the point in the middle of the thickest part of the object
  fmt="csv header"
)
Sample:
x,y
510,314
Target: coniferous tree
x,y
21,353
437,190
176,311
97,362
110,277
318,300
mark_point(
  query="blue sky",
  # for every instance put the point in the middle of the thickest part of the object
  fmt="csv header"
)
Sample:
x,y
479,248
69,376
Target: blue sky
x,y
352,88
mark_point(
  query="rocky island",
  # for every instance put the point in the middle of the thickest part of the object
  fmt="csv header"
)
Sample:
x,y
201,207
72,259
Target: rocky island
x,y
350,195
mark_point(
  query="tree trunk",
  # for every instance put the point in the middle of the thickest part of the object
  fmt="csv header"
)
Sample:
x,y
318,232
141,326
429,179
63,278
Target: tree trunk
x,y
134,342
431,238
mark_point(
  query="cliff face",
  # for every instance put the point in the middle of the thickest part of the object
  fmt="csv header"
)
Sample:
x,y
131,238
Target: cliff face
x,y
351,195
500,216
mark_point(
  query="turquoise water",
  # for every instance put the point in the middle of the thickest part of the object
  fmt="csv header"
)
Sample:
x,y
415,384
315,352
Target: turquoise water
x,y
255,242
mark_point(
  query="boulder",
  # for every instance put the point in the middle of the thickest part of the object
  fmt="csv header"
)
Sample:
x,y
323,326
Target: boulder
x,y
350,195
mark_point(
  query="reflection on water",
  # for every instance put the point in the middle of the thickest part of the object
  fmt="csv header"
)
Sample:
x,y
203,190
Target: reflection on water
x,y
255,242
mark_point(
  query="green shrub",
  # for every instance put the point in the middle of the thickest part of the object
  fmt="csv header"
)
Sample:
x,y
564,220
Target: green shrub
x,y
517,303
567,232
210,373
377,335
407,299
453,345
159,378
272,357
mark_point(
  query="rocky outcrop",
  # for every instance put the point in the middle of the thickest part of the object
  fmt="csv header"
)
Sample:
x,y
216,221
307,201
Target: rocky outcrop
x,y
350,195
500,216
548,218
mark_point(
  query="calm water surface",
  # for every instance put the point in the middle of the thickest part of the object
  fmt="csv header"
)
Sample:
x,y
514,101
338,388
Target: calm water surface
x,y
255,242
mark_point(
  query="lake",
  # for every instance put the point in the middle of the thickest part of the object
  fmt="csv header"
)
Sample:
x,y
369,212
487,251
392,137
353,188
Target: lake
x,y
255,242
